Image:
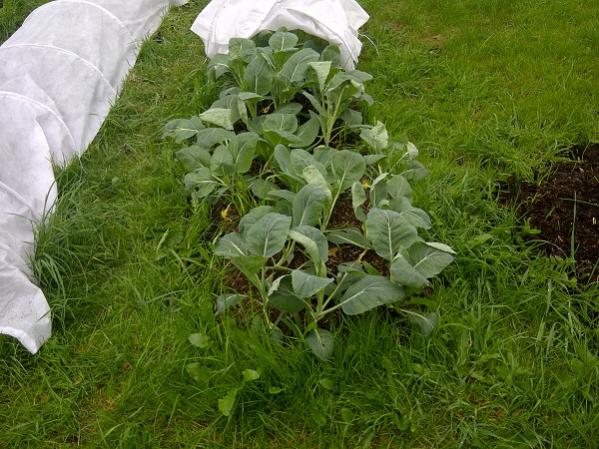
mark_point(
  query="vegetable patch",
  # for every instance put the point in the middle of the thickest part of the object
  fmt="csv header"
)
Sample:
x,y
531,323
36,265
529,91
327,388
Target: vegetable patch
x,y
313,219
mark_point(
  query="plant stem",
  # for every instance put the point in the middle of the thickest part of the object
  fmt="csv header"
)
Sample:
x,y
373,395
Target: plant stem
x,y
325,223
334,292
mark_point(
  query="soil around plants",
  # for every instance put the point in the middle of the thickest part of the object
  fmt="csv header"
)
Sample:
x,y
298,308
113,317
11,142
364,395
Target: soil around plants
x,y
564,208
343,217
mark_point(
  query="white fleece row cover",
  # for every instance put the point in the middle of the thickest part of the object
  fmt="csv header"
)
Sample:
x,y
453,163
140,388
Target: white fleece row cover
x,y
336,21
59,75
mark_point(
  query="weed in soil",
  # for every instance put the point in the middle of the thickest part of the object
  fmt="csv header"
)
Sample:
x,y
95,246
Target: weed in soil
x,y
565,209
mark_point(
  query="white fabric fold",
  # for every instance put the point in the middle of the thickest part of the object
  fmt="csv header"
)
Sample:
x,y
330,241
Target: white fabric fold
x,y
336,21
59,75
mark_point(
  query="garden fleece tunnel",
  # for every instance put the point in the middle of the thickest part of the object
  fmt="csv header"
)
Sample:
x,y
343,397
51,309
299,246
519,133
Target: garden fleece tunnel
x,y
61,72
59,75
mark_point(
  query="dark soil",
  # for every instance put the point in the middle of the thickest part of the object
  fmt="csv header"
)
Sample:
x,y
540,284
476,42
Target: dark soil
x,y
563,206
239,127
349,253
343,215
306,105
346,138
237,281
226,216
265,107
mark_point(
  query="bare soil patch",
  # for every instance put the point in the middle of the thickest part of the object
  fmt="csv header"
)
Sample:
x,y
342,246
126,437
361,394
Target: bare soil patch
x,y
564,208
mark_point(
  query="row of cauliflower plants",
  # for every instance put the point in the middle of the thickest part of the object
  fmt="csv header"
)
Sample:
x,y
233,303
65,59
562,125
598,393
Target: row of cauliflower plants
x,y
323,227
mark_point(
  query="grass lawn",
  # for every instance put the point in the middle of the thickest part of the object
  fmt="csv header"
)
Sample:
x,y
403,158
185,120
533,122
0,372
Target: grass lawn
x,y
485,89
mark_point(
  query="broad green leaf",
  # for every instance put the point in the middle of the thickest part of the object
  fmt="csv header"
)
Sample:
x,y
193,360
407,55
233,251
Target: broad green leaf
x,y
370,292
282,155
252,217
331,53
235,105
261,188
411,150
294,70
194,157
378,190
426,324
246,96
231,245
308,205
226,301
250,375
282,194
352,118
415,171
182,129
258,77
290,108
240,48
389,232
306,285
222,161
313,175
277,137
218,66
399,187
365,98
430,258
283,298
322,70
359,76
200,181
372,159
201,341
441,247
416,217
376,137
316,104
266,53
313,241
243,150
209,137
321,342
300,159
351,273
280,122
324,154
276,284
234,90
347,167
358,198
343,79
403,273
307,133
219,117
226,403
249,265
348,236
343,92
268,235
283,41
198,372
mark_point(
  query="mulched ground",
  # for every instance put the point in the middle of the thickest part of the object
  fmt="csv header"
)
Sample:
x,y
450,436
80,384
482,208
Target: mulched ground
x,y
565,204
